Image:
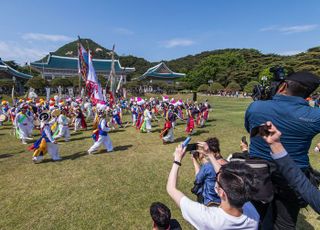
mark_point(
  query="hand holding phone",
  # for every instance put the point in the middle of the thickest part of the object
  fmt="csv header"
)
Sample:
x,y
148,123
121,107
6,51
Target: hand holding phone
x,y
191,147
244,140
261,130
186,142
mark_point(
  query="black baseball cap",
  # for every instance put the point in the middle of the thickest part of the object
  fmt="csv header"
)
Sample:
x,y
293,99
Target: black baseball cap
x,y
307,79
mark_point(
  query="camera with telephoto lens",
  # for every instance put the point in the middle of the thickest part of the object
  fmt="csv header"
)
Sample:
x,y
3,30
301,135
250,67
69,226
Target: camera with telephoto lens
x,y
267,90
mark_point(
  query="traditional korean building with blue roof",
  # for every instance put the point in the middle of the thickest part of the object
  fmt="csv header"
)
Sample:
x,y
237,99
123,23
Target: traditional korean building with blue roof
x,y
8,73
59,66
161,72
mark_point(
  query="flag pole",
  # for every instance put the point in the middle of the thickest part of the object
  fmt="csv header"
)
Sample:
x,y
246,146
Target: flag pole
x,y
79,72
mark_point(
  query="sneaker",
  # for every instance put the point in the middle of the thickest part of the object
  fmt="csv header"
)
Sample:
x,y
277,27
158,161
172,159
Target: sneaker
x,y
24,142
90,152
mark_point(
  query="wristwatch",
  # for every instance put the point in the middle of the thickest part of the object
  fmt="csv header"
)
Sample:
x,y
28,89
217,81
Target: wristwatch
x,y
177,162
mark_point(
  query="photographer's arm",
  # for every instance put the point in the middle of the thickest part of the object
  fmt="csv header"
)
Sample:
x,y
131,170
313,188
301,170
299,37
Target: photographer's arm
x,y
172,190
204,148
214,162
288,168
196,165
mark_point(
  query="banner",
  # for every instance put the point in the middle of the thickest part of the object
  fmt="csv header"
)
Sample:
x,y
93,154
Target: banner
x,y
82,61
82,93
70,91
59,91
93,85
47,93
104,92
12,96
120,83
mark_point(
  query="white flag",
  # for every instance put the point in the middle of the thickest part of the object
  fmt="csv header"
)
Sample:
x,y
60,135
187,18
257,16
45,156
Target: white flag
x,y
48,93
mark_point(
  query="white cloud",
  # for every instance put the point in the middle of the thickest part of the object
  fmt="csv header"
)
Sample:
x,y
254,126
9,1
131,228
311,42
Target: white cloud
x,y
46,37
291,29
177,42
123,31
20,53
290,52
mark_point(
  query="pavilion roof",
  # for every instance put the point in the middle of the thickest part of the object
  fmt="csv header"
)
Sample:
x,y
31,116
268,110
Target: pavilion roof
x,y
161,71
11,71
71,63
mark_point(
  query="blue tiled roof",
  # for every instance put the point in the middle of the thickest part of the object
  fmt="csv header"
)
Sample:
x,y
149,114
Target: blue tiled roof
x,y
160,71
59,62
13,72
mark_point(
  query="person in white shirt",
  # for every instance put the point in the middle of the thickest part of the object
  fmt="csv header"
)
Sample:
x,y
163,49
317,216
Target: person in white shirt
x,y
46,143
234,186
63,126
101,135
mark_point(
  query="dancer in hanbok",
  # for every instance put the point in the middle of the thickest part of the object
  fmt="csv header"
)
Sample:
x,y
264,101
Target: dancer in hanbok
x,y
146,126
167,133
101,136
45,143
63,126
22,124
134,112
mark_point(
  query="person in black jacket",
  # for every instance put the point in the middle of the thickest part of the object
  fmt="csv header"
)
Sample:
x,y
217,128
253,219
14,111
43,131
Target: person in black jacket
x,y
289,169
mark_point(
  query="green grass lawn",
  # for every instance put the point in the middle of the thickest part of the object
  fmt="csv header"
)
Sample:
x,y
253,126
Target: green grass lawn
x,y
110,190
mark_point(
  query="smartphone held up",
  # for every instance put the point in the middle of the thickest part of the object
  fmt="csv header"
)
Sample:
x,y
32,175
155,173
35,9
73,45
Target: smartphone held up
x,y
261,130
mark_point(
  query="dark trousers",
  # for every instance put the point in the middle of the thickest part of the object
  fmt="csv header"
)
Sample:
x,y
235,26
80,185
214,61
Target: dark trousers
x,y
282,212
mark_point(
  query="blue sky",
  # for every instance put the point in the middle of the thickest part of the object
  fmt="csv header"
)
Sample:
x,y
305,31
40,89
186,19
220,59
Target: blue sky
x,y
158,30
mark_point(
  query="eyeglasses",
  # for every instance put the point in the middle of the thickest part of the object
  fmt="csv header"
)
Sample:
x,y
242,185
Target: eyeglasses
x,y
217,182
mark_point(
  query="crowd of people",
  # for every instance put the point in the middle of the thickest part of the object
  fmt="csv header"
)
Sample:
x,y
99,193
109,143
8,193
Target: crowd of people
x,y
262,187
268,182
56,116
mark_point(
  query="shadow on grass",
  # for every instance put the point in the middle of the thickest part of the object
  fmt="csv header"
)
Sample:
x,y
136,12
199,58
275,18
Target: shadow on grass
x,y
156,130
122,147
199,132
178,140
115,149
80,138
76,134
303,223
63,158
6,155
117,131
75,155
211,120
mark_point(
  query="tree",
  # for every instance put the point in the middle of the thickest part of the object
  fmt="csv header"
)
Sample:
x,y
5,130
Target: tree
x,y
215,87
37,83
6,83
233,86
59,81
249,87
203,88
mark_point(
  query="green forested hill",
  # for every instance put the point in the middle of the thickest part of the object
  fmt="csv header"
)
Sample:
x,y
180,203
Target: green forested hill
x,y
223,66
241,65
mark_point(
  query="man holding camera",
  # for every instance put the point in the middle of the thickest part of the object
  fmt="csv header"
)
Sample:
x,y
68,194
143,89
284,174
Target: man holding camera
x,y
298,123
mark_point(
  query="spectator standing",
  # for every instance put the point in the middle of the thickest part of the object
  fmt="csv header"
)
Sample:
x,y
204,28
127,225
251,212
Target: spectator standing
x,y
233,187
299,123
